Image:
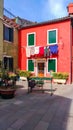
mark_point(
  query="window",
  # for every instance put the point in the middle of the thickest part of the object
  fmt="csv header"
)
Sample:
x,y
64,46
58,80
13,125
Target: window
x,y
52,65
30,65
8,34
31,39
52,36
8,63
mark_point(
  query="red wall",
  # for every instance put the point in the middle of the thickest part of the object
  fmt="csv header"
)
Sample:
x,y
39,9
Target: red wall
x,y
63,59
72,54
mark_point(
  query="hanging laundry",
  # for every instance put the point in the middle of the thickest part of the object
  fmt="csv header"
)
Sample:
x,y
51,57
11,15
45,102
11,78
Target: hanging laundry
x,y
27,51
32,51
41,51
53,49
46,51
36,50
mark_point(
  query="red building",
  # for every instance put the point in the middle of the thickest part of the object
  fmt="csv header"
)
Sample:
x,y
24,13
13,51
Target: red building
x,y
48,46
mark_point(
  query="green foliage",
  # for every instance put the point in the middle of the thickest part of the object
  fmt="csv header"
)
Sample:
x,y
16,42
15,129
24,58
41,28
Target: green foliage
x,y
24,73
60,75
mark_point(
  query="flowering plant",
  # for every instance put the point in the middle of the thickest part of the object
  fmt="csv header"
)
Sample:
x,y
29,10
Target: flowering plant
x,y
8,79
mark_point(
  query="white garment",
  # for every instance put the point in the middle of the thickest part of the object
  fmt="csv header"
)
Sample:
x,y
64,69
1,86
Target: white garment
x,y
27,51
32,50
36,50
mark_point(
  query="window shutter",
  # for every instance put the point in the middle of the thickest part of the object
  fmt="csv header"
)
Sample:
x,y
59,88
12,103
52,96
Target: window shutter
x,y
11,34
52,65
30,65
30,39
6,33
3,32
52,37
11,64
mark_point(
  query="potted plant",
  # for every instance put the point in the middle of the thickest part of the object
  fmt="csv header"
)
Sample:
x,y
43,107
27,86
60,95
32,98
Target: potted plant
x,y
60,77
24,74
7,85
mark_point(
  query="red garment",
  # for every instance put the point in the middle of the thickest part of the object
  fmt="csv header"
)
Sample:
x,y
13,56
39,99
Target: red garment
x,y
41,51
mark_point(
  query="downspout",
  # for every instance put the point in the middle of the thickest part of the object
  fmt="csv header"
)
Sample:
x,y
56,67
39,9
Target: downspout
x,y
70,51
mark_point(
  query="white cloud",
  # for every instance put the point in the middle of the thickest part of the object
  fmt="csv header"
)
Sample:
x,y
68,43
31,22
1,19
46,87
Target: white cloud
x,y
55,8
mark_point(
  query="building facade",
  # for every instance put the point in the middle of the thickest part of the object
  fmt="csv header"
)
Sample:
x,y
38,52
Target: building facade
x,y
1,28
8,40
10,44
48,46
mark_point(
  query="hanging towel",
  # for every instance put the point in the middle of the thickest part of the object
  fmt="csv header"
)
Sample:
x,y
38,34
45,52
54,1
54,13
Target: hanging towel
x,y
36,50
41,51
53,49
32,51
27,51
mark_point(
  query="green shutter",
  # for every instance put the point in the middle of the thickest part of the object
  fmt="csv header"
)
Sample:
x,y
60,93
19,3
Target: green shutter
x,y
52,37
30,65
52,65
30,39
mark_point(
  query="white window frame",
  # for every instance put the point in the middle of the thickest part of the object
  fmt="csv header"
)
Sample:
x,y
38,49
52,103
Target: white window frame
x,y
52,59
34,39
56,36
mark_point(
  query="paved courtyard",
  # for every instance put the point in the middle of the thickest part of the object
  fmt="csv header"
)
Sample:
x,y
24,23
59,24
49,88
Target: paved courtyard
x,y
37,110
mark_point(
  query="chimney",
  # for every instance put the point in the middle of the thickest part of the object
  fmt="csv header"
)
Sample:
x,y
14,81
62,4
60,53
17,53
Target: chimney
x,y
70,9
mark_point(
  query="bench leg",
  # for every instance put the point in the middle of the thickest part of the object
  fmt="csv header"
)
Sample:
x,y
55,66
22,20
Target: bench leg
x,y
42,89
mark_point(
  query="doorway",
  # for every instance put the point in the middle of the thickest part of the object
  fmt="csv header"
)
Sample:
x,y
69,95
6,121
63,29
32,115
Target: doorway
x,y
40,67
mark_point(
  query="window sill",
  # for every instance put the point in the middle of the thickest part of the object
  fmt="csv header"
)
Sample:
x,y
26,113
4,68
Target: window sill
x,y
7,41
51,44
31,46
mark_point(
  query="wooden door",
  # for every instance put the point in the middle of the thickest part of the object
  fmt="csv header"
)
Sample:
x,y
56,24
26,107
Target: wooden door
x,y
40,69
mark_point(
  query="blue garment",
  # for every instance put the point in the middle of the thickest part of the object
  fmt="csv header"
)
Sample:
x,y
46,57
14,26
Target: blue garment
x,y
53,49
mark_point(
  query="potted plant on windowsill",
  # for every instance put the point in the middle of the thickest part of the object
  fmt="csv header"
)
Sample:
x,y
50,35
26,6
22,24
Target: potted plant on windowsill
x,y
7,85
60,77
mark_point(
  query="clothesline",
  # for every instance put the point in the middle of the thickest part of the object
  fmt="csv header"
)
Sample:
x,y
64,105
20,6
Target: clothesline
x,y
41,50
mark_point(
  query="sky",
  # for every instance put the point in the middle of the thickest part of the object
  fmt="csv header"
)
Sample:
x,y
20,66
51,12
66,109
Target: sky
x,y
38,10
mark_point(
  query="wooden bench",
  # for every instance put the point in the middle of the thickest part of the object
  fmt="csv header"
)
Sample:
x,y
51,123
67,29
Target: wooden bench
x,y
38,81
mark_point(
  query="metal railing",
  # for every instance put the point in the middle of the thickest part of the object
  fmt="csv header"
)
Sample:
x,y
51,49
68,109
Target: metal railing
x,y
8,13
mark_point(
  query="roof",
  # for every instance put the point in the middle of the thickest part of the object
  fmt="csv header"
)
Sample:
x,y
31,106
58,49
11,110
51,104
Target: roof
x,y
10,22
22,22
47,22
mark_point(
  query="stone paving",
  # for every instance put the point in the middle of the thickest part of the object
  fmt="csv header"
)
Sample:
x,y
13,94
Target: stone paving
x,y
37,110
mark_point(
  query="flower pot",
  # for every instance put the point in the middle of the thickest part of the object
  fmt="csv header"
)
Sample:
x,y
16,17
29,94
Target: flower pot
x,y
7,93
60,81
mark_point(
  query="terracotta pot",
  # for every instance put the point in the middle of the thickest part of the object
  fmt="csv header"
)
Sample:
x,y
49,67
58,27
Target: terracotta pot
x,y
7,93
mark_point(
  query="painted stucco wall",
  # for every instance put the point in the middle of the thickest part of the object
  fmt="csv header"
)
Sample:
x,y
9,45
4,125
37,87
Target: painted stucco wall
x,y
11,49
1,29
63,58
72,54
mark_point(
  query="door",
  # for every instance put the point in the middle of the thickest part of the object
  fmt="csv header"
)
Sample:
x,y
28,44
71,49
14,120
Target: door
x,y
40,69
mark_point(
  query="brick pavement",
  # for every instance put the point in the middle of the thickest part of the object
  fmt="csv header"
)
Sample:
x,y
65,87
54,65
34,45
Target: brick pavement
x,y
38,111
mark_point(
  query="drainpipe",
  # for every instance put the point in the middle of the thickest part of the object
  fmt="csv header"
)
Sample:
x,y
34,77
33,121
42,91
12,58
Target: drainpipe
x,y
71,52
